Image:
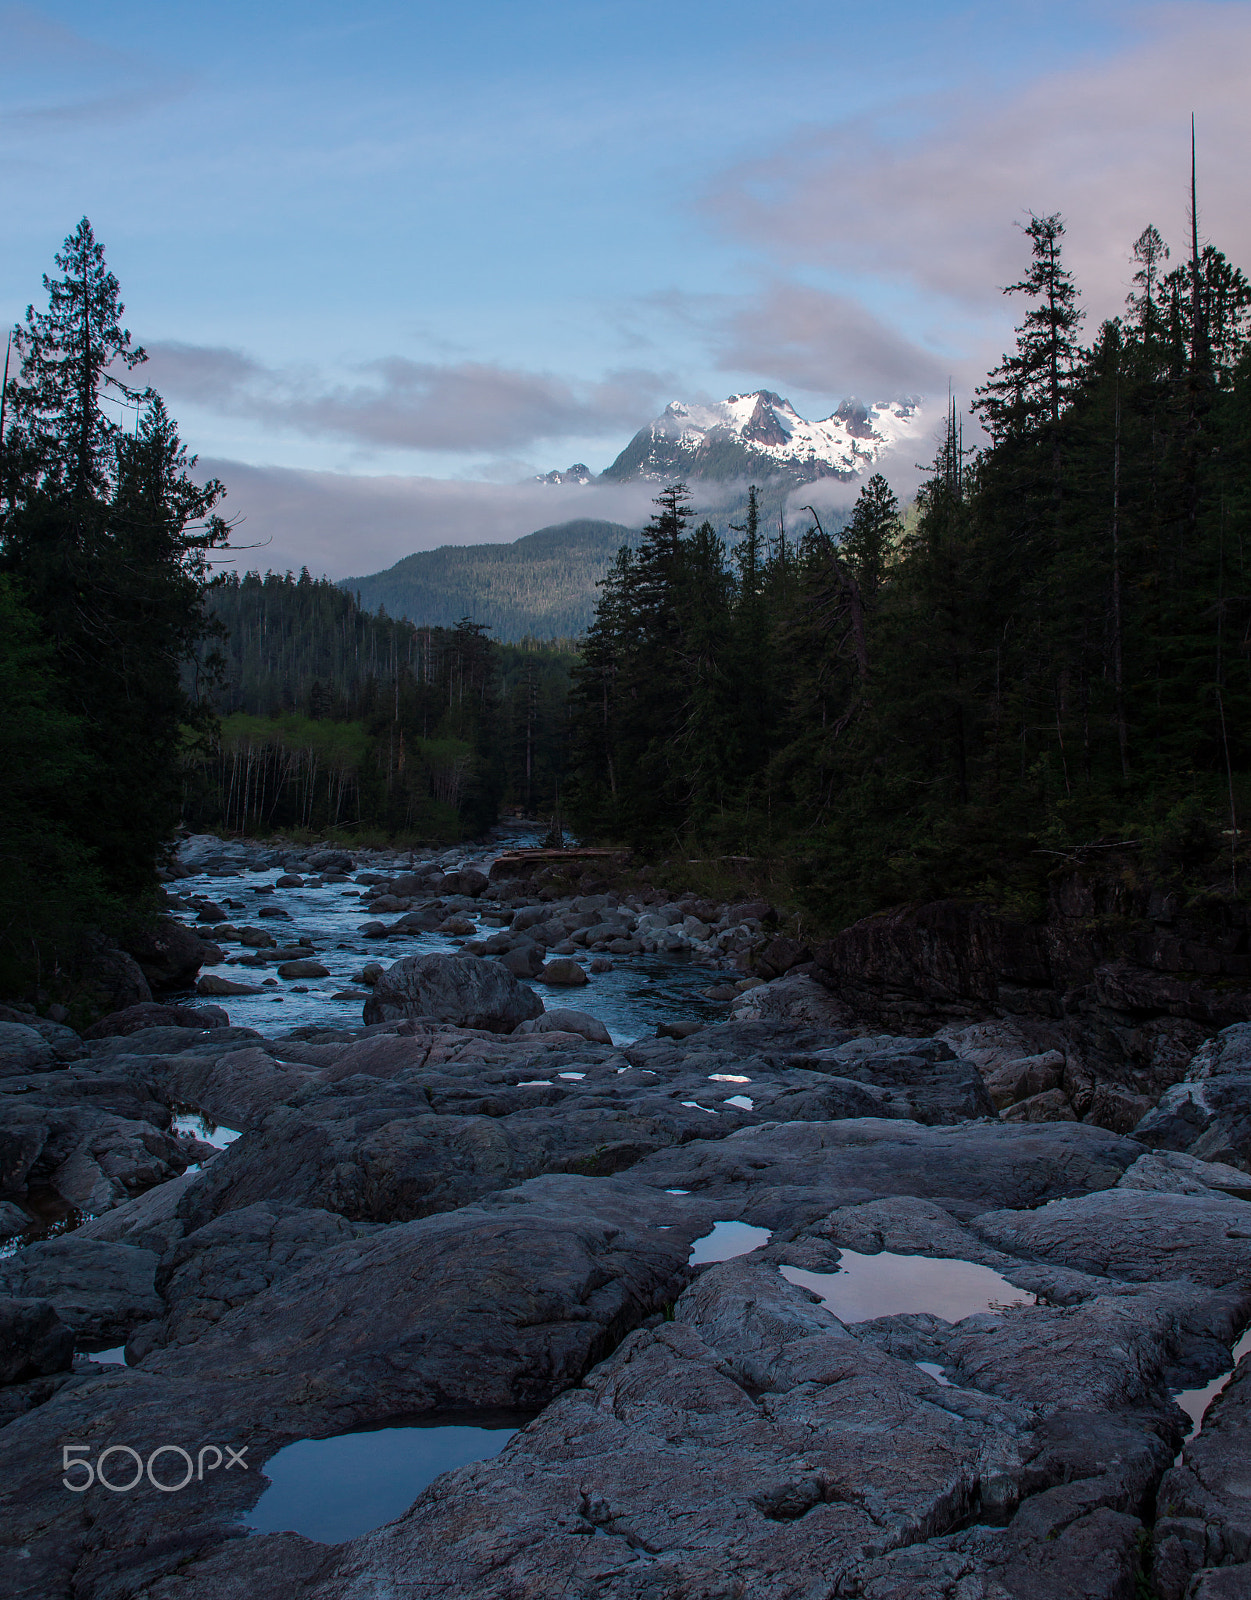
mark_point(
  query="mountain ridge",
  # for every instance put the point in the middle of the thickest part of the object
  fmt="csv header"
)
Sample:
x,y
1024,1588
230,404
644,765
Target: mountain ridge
x,y
542,585
545,584
761,436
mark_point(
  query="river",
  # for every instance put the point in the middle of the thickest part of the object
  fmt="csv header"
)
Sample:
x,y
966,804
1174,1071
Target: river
x,y
637,994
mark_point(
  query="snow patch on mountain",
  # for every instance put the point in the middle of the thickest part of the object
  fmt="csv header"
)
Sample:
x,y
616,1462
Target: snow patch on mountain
x,y
771,436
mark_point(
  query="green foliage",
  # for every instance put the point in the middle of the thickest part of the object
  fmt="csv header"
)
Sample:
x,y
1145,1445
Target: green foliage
x,y
335,717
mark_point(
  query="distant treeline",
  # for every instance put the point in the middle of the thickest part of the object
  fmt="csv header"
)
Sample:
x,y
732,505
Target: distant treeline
x,y
1052,655
334,716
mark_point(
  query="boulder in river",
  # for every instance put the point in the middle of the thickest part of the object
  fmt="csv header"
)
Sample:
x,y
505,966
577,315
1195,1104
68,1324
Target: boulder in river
x,y
170,955
303,969
458,989
210,983
523,961
1209,1114
564,971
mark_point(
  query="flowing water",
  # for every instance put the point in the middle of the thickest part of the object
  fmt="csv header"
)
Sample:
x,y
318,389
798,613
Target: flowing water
x,y
631,999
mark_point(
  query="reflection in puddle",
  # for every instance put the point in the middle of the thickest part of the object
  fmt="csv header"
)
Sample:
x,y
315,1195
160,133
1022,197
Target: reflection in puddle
x,y
117,1355
1194,1402
571,1074
61,1219
727,1077
335,1489
743,1101
727,1240
188,1120
694,1105
935,1372
888,1285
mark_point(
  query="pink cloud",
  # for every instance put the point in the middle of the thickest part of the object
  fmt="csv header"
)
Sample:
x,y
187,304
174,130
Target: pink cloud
x,y
929,197
467,405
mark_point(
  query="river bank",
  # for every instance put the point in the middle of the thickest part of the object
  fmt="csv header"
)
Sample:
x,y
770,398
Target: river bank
x,y
499,1310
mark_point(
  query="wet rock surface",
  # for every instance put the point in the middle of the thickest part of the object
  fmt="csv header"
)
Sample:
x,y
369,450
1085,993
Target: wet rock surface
x,y
302,1233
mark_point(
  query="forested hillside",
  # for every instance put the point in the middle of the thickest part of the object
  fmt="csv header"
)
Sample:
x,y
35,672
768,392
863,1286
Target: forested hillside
x,y
332,716
542,586
1053,657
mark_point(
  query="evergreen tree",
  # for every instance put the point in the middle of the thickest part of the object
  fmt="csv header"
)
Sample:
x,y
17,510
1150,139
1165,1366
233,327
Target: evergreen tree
x,y
1027,393
109,536
67,356
47,882
871,535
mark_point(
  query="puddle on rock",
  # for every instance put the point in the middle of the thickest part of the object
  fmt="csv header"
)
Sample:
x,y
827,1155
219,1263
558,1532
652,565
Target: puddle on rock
x,y
52,1219
727,1077
727,1240
743,1101
889,1285
187,1119
336,1489
1195,1402
935,1372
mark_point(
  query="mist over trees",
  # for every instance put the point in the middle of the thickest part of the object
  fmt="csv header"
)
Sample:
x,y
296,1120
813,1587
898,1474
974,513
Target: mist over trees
x,y
1054,655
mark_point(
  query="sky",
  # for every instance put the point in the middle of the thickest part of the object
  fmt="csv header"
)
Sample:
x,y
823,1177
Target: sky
x,y
390,262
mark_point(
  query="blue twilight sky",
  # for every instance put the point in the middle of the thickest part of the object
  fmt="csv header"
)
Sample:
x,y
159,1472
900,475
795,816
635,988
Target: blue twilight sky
x,y
391,261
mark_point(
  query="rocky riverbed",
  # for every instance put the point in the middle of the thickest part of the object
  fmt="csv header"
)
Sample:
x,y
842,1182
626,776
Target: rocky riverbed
x,y
773,1304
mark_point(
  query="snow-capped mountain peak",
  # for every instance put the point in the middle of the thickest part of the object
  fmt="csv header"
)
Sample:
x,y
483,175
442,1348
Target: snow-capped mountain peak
x,y
761,434
579,472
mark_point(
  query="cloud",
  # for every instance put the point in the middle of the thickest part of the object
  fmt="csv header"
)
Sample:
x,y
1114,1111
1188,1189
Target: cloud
x,y
347,525
927,194
828,343
54,75
450,406
36,41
